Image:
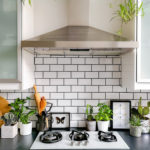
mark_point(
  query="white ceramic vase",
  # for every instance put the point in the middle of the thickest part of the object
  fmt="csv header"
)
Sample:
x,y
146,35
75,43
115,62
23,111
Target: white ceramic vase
x,y
26,129
91,125
9,131
103,125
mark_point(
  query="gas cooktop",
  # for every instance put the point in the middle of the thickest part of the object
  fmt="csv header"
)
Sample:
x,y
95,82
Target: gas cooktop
x,y
79,140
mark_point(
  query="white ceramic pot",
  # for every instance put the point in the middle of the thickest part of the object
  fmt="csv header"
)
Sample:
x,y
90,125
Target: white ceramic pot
x,y
145,126
103,125
91,125
9,131
26,129
135,131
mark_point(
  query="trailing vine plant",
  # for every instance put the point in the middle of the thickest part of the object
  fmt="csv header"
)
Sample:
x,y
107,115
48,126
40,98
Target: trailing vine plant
x,y
127,11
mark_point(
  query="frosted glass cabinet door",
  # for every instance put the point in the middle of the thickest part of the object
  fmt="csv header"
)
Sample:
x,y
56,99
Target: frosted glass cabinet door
x,y
143,53
8,39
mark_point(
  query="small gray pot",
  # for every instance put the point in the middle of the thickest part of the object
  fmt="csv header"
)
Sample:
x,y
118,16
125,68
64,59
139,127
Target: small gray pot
x,y
91,125
135,131
145,126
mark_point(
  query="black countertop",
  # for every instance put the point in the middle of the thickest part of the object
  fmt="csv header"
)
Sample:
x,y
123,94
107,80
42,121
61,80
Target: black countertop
x,y
25,142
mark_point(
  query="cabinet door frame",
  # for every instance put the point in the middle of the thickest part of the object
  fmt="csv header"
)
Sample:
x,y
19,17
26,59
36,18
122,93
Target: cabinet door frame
x,y
138,53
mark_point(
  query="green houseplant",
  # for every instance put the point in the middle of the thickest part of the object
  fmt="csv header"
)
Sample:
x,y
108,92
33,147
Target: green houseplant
x,y
142,112
103,117
28,1
10,127
127,11
91,123
135,126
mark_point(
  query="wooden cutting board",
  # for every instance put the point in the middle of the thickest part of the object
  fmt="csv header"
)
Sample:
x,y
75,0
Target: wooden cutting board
x,y
4,108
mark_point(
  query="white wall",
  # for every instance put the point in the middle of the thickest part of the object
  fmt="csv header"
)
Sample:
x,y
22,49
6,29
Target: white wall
x,y
78,12
49,15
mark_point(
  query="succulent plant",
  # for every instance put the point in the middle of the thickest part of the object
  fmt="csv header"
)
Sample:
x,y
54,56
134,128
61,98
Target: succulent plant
x,y
9,119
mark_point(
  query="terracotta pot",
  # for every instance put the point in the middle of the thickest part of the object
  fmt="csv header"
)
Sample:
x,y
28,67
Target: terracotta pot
x,y
9,131
135,131
91,125
26,129
103,125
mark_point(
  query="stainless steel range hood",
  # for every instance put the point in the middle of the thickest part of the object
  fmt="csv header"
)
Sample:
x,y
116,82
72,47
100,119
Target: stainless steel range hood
x,y
80,38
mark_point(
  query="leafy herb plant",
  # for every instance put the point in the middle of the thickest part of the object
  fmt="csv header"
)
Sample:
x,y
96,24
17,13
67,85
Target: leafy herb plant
x,y
135,120
104,113
127,11
89,112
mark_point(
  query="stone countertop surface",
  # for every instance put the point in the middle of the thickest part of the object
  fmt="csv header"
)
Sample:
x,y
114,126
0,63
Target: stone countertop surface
x,y
25,142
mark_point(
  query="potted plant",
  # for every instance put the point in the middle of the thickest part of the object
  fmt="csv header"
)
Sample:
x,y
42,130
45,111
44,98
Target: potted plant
x,y
26,124
91,123
18,107
103,117
127,11
142,112
135,126
10,128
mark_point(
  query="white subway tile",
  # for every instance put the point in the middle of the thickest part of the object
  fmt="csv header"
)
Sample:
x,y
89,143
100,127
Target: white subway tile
x,y
57,96
42,67
38,75
91,88
98,96
14,95
98,67
70,81
84,81
56,82
70,67
56,67
77,74
105,74
112,67
112,96
4,95
50,61
63,74
42,81
54,102
82,124
73,124
105,61
64,103
25,95
84,96
46,95
50,75
64,60
98,81
78,103
105,88
92,102
77,60
78,117
50,89
116,61
116,74
70,95
82,109
126,95
138,95
112,81
91,61
91,75
84,68
77,88
57,109
64,89
38,60
71,109
118,89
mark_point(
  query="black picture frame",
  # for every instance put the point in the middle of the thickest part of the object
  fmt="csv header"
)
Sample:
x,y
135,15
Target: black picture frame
x,y
111,106
67,128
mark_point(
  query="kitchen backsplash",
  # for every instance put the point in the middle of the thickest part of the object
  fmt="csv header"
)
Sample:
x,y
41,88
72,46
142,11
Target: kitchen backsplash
x,y
72,82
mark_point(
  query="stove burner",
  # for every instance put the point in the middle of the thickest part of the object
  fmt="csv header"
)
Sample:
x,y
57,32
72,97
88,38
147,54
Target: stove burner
x,y
78,137
50,137
106,136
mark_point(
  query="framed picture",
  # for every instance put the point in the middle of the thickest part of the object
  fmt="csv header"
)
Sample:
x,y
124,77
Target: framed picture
x,y
60,121
121,114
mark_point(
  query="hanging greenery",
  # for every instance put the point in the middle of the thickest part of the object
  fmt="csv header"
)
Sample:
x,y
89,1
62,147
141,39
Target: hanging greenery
x,y
127,11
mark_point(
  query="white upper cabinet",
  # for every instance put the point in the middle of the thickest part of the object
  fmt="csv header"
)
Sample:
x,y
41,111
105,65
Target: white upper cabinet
x,y
136,64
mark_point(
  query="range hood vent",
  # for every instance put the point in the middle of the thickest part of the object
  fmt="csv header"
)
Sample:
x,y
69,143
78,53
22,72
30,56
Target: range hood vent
x,y
80,39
